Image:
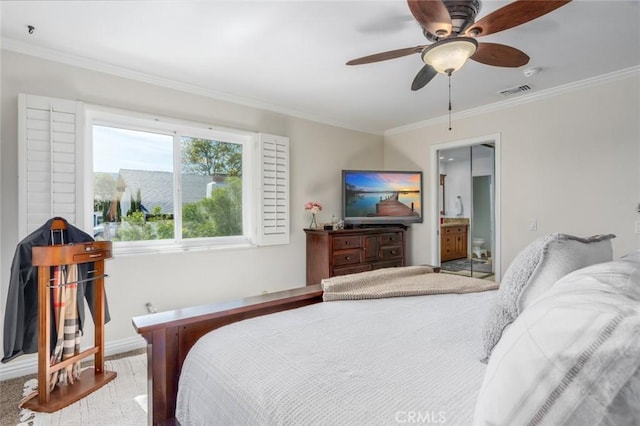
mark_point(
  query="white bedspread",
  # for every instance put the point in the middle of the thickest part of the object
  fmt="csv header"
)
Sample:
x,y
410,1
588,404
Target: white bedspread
x,y
374,362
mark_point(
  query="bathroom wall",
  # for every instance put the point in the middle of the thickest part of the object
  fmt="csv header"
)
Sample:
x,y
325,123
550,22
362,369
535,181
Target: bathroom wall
x,y
456,166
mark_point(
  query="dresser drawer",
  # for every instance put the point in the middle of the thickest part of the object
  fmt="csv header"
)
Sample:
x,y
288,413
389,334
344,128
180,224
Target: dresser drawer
x,y
391,238
346,242
391,252
344,270
346,257
455,230
388,264
448,241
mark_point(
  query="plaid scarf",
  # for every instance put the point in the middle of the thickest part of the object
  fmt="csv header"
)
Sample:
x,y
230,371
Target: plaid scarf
x,y
64,294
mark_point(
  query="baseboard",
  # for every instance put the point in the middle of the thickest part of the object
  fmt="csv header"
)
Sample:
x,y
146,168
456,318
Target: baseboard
x,y
124,345
28,364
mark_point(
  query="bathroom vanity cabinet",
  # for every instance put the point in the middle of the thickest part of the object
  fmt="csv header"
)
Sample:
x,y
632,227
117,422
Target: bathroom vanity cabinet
x,y
453,242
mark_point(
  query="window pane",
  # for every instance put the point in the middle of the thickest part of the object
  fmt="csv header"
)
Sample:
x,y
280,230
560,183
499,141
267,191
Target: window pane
x,y
211,188
133,185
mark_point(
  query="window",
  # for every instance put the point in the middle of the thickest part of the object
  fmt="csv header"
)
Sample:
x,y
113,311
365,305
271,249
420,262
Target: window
x,y
148,182
166,182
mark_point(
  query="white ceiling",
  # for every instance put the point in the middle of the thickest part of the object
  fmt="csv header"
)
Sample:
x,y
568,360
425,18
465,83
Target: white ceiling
x,y
289,56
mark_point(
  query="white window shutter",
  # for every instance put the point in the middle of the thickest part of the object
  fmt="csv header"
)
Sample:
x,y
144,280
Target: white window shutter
x,y
49,130
273,190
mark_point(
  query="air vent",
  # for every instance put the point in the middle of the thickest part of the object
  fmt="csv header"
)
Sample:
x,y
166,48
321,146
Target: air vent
x,y
516,90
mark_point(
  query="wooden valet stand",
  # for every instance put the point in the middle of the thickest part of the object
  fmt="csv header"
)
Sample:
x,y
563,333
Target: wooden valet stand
x,y
44,257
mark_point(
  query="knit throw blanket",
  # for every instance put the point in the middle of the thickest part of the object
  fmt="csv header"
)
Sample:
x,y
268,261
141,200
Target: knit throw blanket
x,y
395,282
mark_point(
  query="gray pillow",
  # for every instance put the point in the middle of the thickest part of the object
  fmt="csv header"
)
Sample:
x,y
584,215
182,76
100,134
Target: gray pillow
x,y
534,270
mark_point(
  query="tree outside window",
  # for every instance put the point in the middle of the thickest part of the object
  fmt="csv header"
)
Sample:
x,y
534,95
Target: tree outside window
x,y
219,213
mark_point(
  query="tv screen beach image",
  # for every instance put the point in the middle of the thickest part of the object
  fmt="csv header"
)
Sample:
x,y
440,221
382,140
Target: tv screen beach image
x,y
382,194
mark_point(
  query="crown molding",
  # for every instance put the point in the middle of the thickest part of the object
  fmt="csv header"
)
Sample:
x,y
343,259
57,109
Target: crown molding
x,y
525,99
99,66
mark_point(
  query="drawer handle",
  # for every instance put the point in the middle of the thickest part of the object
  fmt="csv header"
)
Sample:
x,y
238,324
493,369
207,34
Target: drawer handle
x,y
347,258
393,252
346,243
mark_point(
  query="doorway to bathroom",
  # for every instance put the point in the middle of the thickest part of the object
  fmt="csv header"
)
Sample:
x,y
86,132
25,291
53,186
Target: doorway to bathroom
x,y
465,217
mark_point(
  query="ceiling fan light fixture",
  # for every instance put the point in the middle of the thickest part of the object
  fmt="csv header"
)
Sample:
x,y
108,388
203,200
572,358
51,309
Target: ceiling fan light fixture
x,y
449,55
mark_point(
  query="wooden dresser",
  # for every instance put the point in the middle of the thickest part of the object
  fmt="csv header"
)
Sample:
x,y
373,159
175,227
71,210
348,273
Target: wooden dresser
x,y
453,242
347,251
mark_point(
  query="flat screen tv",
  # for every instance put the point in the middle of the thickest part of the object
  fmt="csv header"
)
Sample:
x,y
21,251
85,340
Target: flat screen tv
x,y
381,197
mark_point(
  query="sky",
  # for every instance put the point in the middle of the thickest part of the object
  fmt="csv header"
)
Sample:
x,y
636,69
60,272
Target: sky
x,y
371,181
115,149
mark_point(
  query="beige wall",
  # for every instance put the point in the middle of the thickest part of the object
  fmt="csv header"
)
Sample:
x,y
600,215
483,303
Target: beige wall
x,y
572,161
318,154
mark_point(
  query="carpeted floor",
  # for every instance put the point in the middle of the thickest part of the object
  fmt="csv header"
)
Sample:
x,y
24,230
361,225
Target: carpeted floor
x,y
11,392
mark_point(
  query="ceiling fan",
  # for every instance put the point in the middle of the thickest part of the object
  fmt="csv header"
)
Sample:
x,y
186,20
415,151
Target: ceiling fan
x,y
451,26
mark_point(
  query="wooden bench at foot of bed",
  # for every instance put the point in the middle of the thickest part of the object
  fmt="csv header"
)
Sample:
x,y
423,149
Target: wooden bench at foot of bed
x,y
170,335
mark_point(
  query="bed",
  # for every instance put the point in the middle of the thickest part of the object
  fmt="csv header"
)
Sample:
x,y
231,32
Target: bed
x,y
296,359
314,363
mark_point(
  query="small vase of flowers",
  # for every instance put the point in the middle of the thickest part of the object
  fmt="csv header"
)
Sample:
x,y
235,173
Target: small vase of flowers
x,y
314,207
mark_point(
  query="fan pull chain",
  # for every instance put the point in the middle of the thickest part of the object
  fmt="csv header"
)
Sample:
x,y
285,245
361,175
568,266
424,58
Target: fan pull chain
x,y
449,101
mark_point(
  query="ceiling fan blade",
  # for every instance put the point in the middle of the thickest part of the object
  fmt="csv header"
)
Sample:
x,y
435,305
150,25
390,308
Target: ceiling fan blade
x,y
499,55
383,56
512,15
423,77
432,15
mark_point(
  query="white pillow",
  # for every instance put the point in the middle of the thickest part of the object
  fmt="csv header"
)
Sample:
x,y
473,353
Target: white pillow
x,y
572,356
634,256
534,270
